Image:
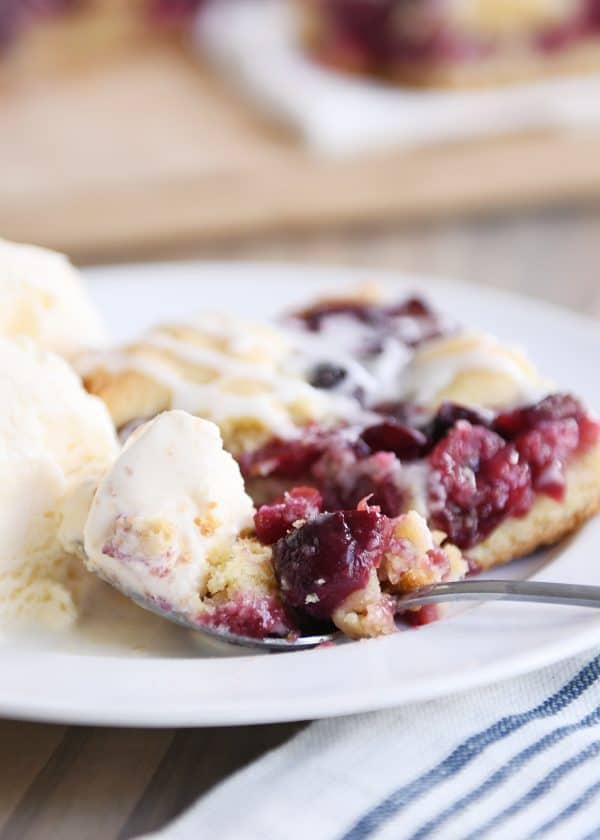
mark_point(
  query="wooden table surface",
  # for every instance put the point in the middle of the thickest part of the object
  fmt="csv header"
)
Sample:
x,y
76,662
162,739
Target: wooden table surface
x,y
152,146
86,783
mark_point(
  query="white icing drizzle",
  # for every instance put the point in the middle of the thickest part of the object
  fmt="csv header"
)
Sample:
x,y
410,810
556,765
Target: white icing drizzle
x,y
284,386
214,399
377,376
242,337
309,348
396,373
389,367
428,375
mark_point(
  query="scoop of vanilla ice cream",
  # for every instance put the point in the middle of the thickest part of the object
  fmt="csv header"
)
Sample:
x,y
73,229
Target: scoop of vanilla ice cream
x,y
52,433
42,296
173,500
473,369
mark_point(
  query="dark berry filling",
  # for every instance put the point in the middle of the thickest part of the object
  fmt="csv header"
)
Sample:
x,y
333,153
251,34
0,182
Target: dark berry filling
x,y
392,436
447,416
476,480
409,322
274,520
315,317
345,476
552,408
547,449
482,469
280,458
321,563
343,468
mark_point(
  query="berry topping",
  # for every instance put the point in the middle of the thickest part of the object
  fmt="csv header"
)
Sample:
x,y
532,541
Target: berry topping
x,y
485,469
476,480
319,564
343,469
315,316
552,408
412,307
448,414
345,476
392,436
546,449
281,458
546,434
274,520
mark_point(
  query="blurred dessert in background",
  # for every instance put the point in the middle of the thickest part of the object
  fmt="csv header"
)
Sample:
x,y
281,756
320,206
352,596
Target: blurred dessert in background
x,y
448,43
431,43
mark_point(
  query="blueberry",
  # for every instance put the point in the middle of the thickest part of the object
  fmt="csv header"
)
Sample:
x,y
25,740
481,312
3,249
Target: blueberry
x,y
326,375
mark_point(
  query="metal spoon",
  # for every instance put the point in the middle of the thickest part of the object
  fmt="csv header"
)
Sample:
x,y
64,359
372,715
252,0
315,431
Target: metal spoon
x,y
568,594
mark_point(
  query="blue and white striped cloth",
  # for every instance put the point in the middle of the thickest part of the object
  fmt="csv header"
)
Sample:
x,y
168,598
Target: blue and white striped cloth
x,y
516,760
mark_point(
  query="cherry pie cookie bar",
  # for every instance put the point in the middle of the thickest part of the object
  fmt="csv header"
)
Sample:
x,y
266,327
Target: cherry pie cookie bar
x,y
354,413
451,43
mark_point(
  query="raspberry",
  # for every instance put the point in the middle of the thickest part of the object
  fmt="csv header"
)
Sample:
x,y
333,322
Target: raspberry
x,y
477,480
274,520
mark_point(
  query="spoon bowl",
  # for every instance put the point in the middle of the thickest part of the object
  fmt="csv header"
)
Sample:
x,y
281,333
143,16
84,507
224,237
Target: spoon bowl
x,y
566,594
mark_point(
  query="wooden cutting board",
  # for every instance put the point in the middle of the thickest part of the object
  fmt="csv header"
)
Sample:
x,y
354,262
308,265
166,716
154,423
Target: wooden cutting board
x,y
152,150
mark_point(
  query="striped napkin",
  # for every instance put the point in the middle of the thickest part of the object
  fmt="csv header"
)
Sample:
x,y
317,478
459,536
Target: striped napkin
x,y
517,760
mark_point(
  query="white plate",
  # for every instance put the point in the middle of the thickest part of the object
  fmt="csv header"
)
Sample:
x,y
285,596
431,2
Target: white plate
x,y
124,666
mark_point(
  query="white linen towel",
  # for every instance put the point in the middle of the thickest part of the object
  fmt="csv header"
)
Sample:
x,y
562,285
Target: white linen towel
x,y
253,41
516,760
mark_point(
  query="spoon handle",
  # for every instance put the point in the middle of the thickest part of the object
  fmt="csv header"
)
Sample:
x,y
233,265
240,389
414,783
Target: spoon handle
x,y
570,594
